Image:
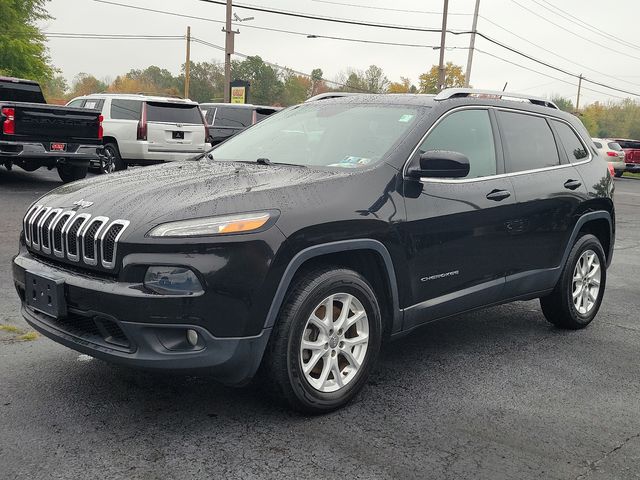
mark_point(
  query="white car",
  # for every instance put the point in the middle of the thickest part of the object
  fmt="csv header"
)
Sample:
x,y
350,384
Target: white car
x,y
613,152
143,129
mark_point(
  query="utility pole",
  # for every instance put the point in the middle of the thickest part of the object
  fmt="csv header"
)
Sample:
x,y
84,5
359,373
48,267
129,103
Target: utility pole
x,y
472,44
579,87
441,67
228,51
187,65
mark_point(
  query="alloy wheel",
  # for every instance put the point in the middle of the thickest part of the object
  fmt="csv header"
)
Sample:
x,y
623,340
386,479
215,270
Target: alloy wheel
x,y
585,285
107,163
334,342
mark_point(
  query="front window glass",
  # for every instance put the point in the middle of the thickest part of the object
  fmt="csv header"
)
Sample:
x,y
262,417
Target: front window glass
x,y
341,135
468,132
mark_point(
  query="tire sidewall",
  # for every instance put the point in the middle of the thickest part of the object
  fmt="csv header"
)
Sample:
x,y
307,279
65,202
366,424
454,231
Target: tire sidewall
x,y
330,283
117,159
586,242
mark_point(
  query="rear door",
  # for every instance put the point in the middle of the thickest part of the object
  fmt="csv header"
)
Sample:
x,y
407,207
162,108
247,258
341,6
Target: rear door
x,y
175,127
121,122
548,190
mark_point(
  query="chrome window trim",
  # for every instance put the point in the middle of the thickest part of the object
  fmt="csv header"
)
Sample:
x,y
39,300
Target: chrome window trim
x,y
25,224
65,233
55,212
501,175
85,259
112,263
35,227
60,253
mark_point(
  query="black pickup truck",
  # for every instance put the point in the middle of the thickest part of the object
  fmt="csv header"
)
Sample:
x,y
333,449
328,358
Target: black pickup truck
x,y
34,134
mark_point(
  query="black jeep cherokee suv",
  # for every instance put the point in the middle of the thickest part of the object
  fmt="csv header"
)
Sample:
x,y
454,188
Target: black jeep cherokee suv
x,y
303,242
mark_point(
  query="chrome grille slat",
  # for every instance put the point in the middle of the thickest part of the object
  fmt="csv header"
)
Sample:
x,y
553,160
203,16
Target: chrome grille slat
x,y
78,237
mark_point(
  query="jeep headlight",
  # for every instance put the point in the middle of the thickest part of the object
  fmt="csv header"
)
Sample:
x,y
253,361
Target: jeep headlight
x,y
202,227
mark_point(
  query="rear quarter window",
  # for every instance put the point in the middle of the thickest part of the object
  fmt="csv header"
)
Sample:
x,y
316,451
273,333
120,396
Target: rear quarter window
x,y
173,113
572,144
125,109
233,117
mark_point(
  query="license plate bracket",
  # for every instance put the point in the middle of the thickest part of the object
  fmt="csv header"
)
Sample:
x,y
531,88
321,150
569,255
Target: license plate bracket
x,y
45,294
58,147
177,135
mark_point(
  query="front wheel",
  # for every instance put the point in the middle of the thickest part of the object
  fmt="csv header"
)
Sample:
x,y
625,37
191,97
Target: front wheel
x,y
326,340
70,172
576,299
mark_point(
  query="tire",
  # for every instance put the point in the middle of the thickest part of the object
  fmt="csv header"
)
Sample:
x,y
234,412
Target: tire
x,y
559,307
619,174
69,173
111,149
285,356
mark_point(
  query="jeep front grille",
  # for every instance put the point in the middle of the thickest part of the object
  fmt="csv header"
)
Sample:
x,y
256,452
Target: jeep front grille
x,y
78,237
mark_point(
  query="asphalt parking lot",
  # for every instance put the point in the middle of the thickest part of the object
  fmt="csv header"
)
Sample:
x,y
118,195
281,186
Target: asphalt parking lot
x,y
497,394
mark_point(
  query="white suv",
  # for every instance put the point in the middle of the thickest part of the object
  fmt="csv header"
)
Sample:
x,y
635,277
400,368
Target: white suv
x,y
142,129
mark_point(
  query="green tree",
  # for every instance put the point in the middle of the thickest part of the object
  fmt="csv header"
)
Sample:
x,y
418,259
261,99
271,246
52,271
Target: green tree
x,y
403,86
352,80
159,80
297,88
375,80
318,85
55,89
266,86
563,103
85,84
206,81
453,77
23,50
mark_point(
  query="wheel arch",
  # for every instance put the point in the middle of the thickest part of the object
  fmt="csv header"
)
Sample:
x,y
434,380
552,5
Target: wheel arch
x,y
599,224
351,254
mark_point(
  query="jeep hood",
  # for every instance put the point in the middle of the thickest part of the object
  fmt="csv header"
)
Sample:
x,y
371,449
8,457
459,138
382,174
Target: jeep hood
x,y
191,189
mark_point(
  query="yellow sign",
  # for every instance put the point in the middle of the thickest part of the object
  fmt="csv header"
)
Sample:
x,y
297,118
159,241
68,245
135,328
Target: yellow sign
x,y
238,94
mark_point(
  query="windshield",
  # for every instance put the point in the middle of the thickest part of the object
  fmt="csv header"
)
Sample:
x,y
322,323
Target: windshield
x,y
343,135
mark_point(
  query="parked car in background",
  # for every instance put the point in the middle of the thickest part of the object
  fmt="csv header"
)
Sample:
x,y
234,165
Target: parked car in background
x,y
612,152
143,129
34,134
304,241
631,150
224,120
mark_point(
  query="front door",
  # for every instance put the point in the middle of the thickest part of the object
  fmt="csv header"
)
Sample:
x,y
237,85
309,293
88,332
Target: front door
x,y
457,229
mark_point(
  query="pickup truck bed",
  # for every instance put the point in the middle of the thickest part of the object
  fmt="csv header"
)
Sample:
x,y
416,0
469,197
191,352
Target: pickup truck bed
x,y
34,134
631,150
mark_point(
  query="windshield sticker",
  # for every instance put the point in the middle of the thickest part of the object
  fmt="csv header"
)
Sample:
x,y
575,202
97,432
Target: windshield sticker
x,y
405,118
351,162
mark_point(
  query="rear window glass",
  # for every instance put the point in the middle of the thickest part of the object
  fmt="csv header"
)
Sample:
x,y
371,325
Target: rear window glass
x,y
126,109
173,113
614,146
528,141
21,92
572,144
233,117
628,144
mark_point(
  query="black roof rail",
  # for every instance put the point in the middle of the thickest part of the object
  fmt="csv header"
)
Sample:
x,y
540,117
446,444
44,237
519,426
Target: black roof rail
x,y
448,93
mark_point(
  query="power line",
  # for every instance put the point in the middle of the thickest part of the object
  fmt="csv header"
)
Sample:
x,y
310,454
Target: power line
x,y
582,37
403,10
388,26
586,25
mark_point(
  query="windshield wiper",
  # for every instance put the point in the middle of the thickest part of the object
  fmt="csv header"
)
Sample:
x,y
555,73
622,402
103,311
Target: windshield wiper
x,y
200,156
263,161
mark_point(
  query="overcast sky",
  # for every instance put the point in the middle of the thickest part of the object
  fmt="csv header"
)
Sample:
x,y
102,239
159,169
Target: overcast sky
x,y
612,62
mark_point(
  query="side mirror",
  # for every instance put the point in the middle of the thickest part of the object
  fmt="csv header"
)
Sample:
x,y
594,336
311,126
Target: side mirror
x,y
439,164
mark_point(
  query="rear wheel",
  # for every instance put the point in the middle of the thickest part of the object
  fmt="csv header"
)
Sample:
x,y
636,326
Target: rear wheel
x,y
326,340
70,173
619,174
112,151
576,299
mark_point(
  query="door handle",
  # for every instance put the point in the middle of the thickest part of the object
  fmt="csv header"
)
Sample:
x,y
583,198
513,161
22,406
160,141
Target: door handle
x,y
572,184
498,195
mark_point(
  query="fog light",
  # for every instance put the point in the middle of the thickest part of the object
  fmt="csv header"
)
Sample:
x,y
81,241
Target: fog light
x,y
171,280
192,337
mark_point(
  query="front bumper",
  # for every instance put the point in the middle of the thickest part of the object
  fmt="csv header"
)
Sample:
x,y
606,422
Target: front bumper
x,y
100,326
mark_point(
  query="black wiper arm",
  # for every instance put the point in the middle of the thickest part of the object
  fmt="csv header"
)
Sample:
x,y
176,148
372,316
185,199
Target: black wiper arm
x,y
200,156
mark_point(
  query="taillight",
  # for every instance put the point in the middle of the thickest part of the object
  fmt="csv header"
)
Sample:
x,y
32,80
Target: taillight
x,y
9,124
100,129
142,123
612,154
